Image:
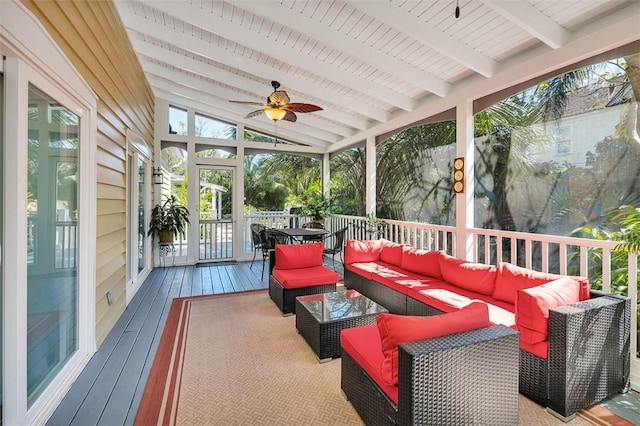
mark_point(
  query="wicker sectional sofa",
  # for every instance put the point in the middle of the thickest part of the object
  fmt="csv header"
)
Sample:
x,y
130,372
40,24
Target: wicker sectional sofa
x,y
574,342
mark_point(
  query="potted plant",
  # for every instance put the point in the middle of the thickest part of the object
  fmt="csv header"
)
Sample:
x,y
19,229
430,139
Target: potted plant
x,y
168,220
373,226
315,205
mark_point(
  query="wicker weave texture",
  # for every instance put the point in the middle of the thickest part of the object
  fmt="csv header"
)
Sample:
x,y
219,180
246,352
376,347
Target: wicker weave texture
x,y
460,379
394,301
324,338
285,298
533,377
415,307
588,353
371,403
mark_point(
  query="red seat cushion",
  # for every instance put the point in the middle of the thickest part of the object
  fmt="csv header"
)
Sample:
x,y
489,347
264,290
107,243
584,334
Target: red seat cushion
x,y
422,262
297,256
362,251
511,278
472,276
396,329
305,277
364,346
364,269
533,304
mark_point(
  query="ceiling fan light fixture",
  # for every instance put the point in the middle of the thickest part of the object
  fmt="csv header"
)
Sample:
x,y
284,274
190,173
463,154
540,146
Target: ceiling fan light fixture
x,y
275,113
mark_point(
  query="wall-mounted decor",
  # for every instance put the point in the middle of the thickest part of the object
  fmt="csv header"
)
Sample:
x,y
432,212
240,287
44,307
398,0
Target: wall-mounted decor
x,y
458,175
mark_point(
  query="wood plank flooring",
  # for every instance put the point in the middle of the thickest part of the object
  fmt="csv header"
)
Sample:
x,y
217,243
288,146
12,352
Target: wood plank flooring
x,y
109,390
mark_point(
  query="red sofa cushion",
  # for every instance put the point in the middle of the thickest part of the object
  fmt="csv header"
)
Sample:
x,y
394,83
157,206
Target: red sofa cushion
x,y
362,251
305,277
472,276
422,262
511,278
391,252
297,256
396,329
533,304
364,346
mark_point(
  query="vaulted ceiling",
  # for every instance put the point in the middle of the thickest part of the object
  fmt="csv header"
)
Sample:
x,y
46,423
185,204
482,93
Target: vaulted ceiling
x,y
370,64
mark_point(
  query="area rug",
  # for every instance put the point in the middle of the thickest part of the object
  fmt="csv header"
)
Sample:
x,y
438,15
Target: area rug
x,y
235,360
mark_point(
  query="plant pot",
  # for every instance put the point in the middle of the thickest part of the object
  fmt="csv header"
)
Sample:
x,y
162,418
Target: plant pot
x,y
166,237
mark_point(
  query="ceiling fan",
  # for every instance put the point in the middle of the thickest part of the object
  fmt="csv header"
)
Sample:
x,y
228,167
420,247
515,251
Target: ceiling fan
x,y
278,106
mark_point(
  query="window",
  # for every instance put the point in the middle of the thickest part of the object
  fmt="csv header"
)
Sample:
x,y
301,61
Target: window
x,y
207,127
178,121
562,139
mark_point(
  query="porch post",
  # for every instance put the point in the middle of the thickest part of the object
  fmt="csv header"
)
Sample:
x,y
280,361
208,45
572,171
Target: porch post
x,y
326,173
239,225
370,181
464,201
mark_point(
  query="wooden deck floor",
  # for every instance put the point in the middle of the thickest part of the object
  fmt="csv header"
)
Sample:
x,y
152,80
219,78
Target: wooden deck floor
x,y
109,389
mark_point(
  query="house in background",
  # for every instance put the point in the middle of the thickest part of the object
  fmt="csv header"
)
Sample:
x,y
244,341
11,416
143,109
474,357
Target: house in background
x,y
85,117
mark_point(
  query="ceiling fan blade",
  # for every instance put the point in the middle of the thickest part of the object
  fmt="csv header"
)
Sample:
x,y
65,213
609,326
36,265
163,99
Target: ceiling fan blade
x,y
290,116
249,103
254,113
279,98
297,107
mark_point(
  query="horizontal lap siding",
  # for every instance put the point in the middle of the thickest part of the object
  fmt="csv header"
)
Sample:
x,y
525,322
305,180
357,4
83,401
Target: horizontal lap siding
x,y
91,34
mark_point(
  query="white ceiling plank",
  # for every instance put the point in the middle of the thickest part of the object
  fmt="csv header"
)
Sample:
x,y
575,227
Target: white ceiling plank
x,y
345,124
243,63
533,21
436,39
348,45
246,37
313,135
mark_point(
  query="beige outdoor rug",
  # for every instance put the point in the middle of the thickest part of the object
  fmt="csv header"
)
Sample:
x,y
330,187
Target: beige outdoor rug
x,y
235,360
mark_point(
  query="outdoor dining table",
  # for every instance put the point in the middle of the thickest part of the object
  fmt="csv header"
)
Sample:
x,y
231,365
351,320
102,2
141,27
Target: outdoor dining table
x,y
300,233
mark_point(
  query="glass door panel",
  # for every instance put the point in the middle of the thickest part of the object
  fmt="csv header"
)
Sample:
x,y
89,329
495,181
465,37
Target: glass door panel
x,y
52,275
141,214
216,214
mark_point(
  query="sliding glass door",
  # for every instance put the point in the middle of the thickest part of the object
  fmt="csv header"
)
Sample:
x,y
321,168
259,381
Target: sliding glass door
x,y
52,251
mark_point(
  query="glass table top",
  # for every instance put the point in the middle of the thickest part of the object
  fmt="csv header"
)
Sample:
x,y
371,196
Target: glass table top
x,y
339,305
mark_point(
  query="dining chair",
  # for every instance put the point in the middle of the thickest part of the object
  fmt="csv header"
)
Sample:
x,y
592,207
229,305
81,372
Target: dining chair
x,y
338,243
255,238
269,238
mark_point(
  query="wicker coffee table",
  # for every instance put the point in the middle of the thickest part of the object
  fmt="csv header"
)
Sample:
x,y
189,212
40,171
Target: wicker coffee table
x,y
321,317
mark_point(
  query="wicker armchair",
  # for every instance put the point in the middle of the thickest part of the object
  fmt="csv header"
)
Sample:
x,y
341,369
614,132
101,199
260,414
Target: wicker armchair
x,y
588,360
463,378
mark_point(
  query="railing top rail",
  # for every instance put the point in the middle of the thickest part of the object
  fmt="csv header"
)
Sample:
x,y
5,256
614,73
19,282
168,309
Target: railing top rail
x,y
557,239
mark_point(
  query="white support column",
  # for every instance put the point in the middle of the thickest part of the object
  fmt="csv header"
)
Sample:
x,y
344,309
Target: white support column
x,y
193,201
370,181
326,174
238,197
464,201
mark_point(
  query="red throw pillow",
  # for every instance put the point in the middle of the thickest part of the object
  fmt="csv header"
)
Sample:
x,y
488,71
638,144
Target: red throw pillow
x,y
357,251
391,252
471,276
512,278
533,304
396,329
297,256
421,262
